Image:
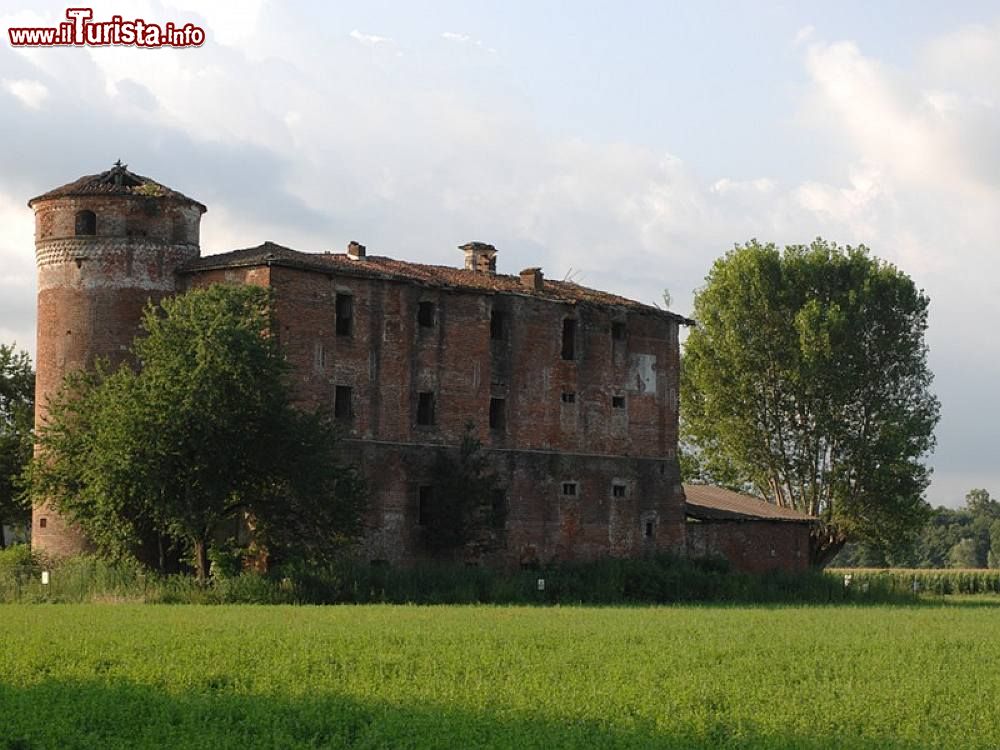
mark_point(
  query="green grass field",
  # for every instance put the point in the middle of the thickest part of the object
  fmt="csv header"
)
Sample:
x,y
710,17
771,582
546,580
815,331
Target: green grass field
x,y
103,676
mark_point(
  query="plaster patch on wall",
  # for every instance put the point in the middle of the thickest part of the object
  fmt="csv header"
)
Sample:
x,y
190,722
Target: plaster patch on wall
x,y
642,373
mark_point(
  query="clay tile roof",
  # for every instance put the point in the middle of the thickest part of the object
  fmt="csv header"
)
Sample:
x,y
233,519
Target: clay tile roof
x,y
116,181
708,502
373,266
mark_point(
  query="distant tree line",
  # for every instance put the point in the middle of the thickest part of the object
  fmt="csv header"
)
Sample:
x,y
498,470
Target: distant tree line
x,y
966,537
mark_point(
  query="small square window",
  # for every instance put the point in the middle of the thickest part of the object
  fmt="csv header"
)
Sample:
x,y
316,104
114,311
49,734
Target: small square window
x,y
617,490
569,397
425,408
498,414
342,403
618,402
498,325
43,522
618,331
569,489
345,314
425,314
86,223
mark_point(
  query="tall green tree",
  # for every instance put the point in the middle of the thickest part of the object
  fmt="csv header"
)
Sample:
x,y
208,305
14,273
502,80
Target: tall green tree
x,y
963,555
17,410
200,436
807,378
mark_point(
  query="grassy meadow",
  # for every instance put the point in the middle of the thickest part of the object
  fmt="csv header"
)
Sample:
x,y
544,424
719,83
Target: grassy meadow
x,y
382,676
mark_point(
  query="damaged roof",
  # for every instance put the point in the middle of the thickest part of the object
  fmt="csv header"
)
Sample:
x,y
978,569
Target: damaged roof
x,y
708,502
116,181
446,277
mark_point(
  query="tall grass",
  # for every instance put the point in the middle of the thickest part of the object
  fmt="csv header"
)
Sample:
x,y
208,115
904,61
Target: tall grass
x,y
851,677
604,582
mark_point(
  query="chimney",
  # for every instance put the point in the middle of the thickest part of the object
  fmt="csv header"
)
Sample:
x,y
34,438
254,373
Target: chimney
x,y
532,279
355,250
480,257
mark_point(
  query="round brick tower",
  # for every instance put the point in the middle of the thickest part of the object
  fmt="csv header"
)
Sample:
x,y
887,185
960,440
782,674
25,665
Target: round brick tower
x,y
105,245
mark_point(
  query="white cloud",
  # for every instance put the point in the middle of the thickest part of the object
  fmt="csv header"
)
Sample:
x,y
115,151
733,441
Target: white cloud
x,y
726,186
466,39
228,22
31,93
371,39
803,35
281,149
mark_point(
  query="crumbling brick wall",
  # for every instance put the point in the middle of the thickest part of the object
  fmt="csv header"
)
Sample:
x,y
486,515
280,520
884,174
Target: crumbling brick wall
x,y
752,546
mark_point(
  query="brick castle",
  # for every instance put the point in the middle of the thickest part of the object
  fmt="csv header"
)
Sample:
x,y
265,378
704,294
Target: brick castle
x,y
573,392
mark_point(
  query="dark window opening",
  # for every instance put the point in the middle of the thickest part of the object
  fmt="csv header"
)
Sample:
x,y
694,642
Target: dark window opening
x,y
569,339
425,314
569,397
43,522
618,490
499,509
569,489
425,408
86,223
649,529
425,505
498,325
498,414
342,402
345,314
618,331
618,402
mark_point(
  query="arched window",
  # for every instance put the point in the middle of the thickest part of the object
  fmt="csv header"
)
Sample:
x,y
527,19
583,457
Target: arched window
x,y
86,223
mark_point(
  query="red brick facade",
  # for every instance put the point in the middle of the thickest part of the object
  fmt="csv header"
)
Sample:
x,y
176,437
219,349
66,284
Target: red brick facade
x,y
752,546
573,392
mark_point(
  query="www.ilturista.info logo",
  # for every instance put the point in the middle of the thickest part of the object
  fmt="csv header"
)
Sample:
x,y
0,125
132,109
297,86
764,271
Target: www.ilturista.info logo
x,y
81,31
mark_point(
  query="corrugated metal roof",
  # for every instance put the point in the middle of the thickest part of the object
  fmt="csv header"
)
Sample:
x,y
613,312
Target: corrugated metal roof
x,y
370,266
709,502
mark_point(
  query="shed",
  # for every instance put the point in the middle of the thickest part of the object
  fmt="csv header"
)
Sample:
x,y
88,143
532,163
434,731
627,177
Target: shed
x,y
755,536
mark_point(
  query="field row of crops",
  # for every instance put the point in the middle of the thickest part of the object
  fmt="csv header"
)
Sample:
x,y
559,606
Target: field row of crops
x,y
920,581
134,676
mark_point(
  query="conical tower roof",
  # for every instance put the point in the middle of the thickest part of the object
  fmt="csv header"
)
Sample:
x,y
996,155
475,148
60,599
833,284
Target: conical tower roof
x,y
116,181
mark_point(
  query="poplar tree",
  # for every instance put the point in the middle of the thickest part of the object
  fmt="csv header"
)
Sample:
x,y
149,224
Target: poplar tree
x,y
806,383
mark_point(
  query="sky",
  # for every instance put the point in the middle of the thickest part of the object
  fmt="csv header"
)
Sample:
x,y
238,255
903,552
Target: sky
x,y
622,145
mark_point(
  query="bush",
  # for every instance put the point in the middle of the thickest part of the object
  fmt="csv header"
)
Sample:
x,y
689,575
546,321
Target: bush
x,y
655,580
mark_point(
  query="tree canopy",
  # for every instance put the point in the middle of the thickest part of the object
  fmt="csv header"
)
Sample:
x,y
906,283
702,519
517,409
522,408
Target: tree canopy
x,y
806,382
199,436
964,537
17,413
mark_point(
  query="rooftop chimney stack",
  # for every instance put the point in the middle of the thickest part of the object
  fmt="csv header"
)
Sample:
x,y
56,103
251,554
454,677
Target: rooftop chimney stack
x,y
480,257
355,250
532,278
